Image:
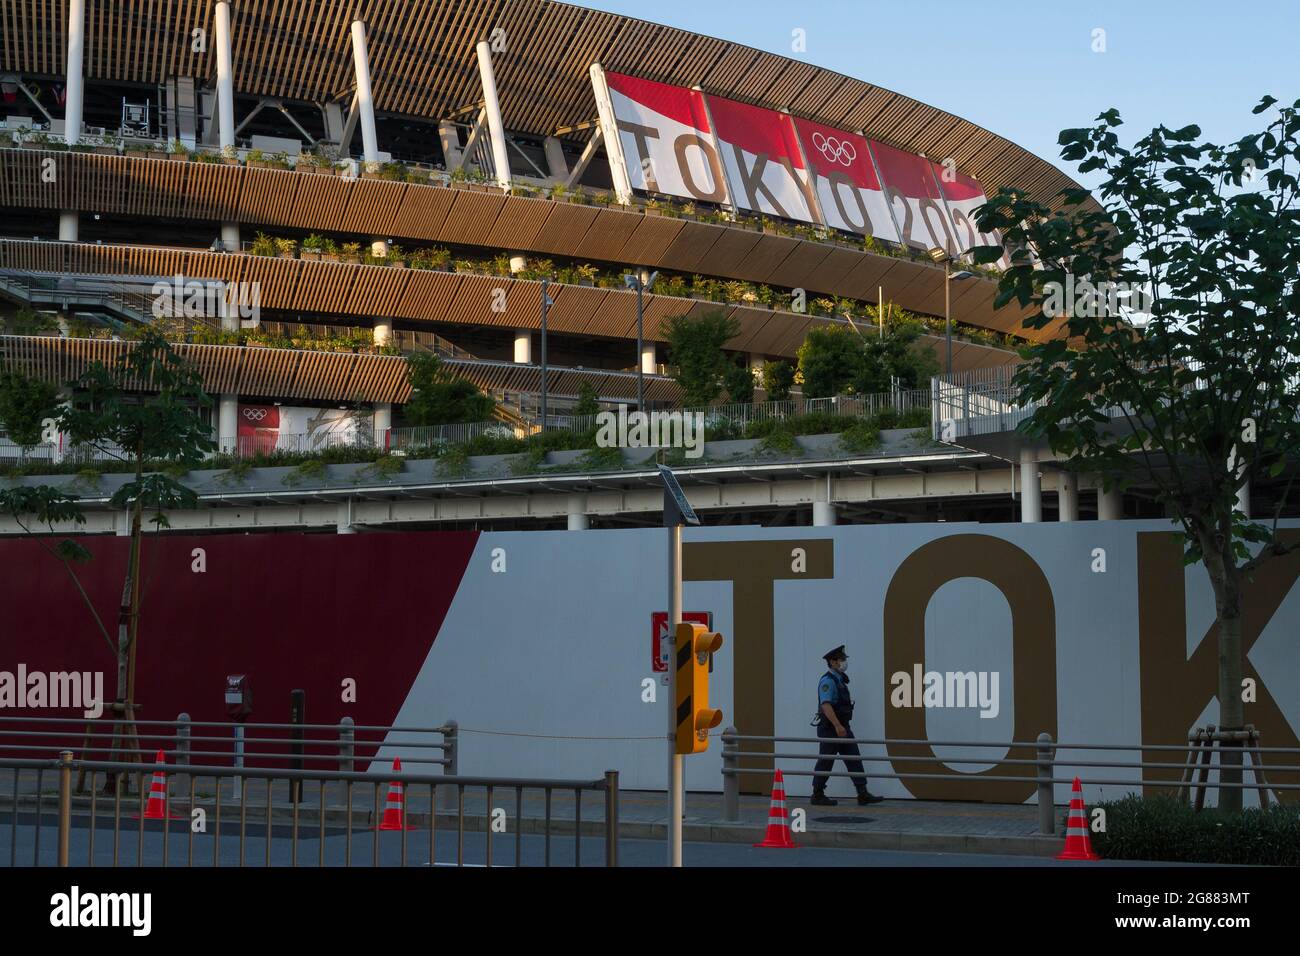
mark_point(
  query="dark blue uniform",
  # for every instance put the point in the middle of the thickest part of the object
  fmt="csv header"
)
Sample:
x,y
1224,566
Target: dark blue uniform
x,y
833,689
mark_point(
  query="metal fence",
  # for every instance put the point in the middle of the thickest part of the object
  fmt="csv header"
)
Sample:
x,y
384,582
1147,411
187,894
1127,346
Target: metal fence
x,y
410,440
745,754
291,783
149,829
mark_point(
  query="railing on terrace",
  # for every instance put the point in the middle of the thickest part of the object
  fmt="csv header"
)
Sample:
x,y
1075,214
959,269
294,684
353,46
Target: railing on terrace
x,y
435,437
977,402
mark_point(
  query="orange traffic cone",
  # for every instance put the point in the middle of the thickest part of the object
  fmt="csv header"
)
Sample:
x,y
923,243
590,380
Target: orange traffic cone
x,y
778,826
1077,844
156,808
394,814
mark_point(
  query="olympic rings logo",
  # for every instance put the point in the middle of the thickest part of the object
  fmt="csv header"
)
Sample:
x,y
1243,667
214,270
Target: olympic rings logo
x,y
835,150
254,414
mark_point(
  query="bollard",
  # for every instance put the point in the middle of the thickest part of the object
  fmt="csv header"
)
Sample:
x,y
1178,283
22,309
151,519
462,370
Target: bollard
x,y
182,751
730,781
298,717
347,744
65,804
447,796
1046,796
611,818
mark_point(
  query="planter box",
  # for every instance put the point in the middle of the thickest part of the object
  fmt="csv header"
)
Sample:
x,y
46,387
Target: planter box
x,y
309,255
179,157
105,150
153,155
286,255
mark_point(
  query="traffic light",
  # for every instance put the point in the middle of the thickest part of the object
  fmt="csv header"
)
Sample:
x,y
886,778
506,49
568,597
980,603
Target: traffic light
x,y
695,643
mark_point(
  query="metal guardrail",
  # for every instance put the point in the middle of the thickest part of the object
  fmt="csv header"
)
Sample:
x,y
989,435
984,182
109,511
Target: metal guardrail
x,y
90,816
432,437
1196,769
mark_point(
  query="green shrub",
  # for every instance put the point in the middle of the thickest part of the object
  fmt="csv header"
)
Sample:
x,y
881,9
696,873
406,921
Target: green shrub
x,y
530,462
1164,828
780,441
860,437
600,459
454,462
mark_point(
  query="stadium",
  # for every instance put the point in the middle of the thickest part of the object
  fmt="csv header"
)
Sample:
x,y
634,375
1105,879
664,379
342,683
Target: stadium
x,y
532,191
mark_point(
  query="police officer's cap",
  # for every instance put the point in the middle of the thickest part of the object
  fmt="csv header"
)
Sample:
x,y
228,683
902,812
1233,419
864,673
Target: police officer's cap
x,y
837,654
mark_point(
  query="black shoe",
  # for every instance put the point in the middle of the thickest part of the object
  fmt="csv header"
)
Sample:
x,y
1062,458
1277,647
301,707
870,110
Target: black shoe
x,y
866,796
821,800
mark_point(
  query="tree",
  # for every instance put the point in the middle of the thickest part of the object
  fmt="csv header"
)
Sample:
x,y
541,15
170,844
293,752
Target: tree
x,y
145,429
587,400
895,356
778,377
440,398
830,359
25,403
1205,240
699,362
738,380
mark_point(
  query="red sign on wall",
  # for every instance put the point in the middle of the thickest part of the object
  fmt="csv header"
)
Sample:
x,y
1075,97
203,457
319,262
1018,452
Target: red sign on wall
x,y
659,630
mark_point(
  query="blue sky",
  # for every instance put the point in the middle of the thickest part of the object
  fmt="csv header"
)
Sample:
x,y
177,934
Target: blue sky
x,y
1026,70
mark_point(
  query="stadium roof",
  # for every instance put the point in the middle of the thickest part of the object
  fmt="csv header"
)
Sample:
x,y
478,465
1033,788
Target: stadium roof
x,y
423,63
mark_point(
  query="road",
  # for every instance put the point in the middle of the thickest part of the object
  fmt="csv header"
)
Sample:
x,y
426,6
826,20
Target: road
x,y
19,844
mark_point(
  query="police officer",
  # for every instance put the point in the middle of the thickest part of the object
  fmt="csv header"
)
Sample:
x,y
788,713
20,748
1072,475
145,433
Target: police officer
x,y
834,711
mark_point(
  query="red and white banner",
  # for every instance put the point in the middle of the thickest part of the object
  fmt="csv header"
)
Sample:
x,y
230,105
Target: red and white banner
x,y
666,138
760,153
964,195
846,182
914,198
679,142
267,428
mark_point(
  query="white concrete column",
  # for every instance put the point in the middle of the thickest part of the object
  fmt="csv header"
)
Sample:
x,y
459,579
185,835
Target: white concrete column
x,y
650,357
518,263
578,520
523,346
383,331
343,523
365,96
383,423
1067,495
1243,498
230,236
75,81
1110,504
227,422
225,106
1031,491
225,78
556,164
496,128
823,510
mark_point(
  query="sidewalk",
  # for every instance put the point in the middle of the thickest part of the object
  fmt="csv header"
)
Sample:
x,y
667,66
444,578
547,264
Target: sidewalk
x,y
929,826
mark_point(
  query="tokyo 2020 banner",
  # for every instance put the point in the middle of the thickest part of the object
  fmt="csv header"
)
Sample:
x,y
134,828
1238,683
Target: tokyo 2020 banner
x,y
682,142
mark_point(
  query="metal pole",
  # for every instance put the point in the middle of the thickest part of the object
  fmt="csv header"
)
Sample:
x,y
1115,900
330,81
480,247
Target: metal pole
x,y
65,804
347,744
730,781
1046,799
675,801
239,761
640,351
451,736
545,301
947,310
611,818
